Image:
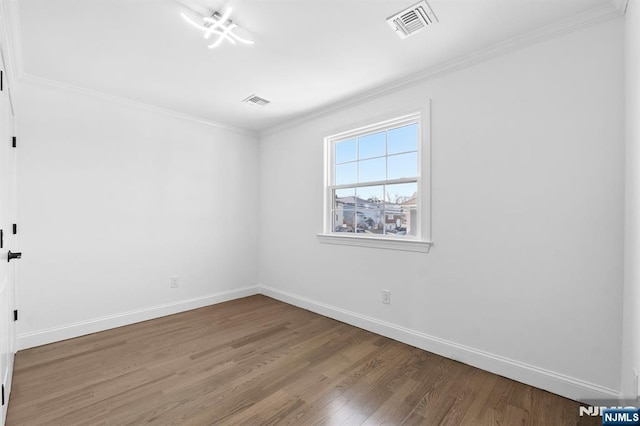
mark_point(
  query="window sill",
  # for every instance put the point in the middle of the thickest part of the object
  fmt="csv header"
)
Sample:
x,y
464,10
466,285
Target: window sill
x,y
377,242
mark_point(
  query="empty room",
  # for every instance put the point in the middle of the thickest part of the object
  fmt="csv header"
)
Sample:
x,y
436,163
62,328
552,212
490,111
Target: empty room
x,y
319,212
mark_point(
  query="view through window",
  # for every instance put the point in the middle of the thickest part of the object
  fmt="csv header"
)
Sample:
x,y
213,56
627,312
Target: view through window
x,y
374,179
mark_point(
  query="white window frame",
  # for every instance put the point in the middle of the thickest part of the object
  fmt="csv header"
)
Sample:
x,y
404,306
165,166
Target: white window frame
x,y
421,242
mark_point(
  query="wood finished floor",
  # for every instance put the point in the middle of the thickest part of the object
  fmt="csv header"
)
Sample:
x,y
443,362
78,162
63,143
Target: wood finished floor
x,y
258,361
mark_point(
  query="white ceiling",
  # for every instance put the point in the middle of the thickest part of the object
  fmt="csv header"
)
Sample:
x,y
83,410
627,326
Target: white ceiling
x,y
307,53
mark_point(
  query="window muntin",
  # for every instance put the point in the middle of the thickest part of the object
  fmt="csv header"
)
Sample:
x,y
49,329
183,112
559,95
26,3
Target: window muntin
x,y
374,180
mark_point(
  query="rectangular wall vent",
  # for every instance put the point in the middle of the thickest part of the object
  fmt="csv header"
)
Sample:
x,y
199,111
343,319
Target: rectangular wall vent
x,y
256,100
412,20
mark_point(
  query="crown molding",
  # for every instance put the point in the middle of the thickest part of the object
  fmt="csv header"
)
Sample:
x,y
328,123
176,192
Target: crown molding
x,y
13,44
11,30
621,5
10,41
586,19
34,80
11,35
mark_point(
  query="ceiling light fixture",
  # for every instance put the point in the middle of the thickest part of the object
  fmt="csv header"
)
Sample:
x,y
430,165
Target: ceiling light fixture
x,y
219,25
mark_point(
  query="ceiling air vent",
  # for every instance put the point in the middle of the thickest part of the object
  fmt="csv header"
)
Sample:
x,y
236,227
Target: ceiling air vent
x,y
413,19
256,100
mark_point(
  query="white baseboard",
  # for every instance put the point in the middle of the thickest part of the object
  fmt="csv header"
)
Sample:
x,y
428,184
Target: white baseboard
x,y
69,331
557,383
560,384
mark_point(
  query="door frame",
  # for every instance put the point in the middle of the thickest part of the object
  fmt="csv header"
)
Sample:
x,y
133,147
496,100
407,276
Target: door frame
x,y
8,217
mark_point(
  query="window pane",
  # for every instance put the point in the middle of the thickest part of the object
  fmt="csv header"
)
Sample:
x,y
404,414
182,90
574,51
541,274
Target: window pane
x,y
401,208
401,222
393,219
401,194
346,173
402,139
402,166
346,151
370,195
344,198
362,199
372,170
372,145
343,220
370,221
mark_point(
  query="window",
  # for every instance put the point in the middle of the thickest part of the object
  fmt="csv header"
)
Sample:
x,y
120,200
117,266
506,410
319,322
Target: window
x,y
374,192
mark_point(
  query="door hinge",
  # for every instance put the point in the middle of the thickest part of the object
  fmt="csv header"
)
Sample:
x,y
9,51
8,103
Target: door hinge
x,y
2,394
15,228
1,80
14,142
15,315
1,238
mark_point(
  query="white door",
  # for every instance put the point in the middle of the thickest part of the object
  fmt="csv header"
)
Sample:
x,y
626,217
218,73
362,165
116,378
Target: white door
x,y
8,240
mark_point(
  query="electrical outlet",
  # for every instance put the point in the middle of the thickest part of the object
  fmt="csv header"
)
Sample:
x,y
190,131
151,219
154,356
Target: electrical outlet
x,y
386,296
174,281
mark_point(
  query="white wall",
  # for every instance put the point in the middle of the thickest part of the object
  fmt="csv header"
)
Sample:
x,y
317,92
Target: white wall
x,y
525,277
114,199
631,322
